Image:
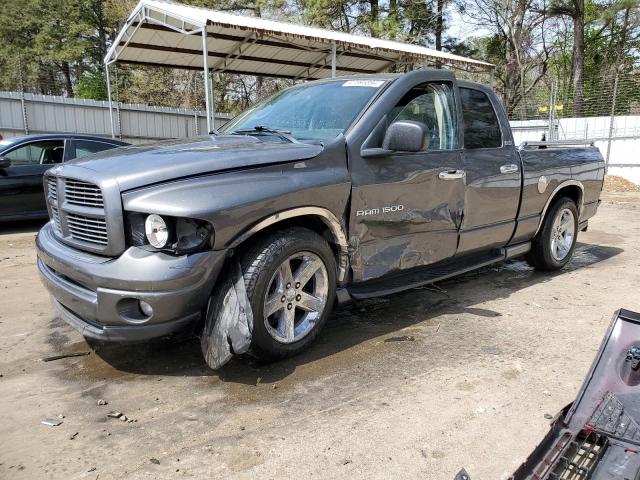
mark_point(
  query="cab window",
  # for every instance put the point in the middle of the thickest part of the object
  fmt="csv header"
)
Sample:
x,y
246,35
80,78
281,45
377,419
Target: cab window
x,y
89,147
432,105
46,152
481,127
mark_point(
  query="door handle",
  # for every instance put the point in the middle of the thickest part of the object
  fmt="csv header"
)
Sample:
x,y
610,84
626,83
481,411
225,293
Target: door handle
x,y
452,174
510,168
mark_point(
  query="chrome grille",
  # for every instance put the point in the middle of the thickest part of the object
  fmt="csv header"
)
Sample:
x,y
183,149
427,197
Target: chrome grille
x,y
55,214
81,193
87,229
79,212
52,188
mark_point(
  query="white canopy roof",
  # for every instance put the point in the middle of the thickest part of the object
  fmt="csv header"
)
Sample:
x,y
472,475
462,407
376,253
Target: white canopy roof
x,y
170,34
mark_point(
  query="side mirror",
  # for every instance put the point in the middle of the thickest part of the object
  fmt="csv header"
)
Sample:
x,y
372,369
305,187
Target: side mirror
x,y
406,136
4,162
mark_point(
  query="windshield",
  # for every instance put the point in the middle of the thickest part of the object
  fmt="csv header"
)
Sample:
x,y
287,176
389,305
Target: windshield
x,y
318,111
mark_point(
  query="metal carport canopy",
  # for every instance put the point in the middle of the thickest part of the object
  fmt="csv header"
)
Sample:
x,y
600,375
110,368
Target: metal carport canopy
x,y
169,34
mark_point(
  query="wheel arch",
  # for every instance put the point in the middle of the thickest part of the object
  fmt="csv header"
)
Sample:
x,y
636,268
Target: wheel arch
x,y
318,219
572,189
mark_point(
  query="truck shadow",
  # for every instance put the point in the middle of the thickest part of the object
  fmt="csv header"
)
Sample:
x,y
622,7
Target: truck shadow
x,y
353,324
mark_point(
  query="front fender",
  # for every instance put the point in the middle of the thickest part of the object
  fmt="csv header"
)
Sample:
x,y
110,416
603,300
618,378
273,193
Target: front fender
x,y
233,202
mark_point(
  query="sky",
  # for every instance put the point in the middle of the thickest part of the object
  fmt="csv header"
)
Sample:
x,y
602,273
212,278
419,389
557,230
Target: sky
x,y
458,28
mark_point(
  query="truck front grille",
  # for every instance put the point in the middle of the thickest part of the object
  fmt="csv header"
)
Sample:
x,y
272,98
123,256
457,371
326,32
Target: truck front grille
x,y
87,229
79,215
55,214
81,193
52,188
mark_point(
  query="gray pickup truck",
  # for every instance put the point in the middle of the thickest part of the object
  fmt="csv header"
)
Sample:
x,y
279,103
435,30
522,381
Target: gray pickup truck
x,y
331,190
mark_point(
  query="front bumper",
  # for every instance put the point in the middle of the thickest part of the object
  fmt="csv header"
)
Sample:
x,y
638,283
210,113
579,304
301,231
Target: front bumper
x,y
99,296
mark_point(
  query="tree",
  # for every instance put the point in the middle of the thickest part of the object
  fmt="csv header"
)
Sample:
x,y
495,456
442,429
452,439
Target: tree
x,y
63,36
18,28
519,45
439,30
574,9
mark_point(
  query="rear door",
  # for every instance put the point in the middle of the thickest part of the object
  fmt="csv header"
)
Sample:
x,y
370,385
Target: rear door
x,y
406,206
493,173
21,190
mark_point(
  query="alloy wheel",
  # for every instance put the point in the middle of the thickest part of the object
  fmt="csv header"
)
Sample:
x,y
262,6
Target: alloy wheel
x,y
296,297
562,234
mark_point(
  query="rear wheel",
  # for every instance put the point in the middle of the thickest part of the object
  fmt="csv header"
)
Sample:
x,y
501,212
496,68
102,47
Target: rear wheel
x,y
553,246
290,279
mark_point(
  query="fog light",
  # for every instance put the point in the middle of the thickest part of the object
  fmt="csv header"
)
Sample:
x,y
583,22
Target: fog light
x,y
146,308
156,230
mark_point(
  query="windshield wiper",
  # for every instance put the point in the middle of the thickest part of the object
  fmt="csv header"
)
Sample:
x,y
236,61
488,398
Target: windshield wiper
x,y
284,134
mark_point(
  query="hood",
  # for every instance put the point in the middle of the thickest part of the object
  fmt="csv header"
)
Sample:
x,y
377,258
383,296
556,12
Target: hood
x,y
136,166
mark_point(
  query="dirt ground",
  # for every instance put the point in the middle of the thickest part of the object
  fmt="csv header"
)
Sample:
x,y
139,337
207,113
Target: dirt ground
x,y
614,183
414,385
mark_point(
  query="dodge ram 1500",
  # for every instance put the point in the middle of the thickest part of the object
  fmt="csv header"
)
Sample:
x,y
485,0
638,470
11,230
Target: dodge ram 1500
x,y
345,188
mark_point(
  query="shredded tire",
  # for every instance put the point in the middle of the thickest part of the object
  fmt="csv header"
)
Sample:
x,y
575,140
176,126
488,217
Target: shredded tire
x,y
258,264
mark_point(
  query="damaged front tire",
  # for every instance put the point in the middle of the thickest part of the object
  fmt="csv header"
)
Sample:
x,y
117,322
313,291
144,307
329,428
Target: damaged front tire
x,y
228,320
281,297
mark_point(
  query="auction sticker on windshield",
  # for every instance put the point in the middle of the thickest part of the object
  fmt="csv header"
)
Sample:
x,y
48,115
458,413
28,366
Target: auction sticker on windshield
x,y
363,83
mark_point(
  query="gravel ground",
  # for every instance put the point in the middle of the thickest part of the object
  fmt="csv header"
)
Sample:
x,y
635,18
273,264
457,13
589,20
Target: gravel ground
x,y
414,385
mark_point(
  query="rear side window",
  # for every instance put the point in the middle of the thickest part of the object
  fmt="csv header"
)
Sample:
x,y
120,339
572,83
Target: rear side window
x,y
481,127
88,147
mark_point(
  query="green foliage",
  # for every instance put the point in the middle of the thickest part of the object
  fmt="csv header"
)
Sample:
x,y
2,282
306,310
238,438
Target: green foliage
x,y
92,84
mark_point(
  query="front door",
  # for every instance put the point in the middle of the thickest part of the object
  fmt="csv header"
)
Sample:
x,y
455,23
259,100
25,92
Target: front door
x,y
406,207
492,168
21,189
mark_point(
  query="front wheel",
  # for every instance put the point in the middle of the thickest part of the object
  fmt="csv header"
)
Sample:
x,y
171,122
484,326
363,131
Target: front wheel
x,y
553,246
290,282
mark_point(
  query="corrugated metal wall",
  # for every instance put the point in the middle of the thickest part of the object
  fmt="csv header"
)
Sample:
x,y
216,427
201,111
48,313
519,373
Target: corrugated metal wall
x,y
28,113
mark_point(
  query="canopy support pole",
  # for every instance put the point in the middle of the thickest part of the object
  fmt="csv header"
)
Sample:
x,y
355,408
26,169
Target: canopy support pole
x,y
106,69
333,60
213,100
207,95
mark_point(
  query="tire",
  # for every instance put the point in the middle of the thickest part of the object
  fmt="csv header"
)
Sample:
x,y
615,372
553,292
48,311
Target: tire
x,y
553,246
264,276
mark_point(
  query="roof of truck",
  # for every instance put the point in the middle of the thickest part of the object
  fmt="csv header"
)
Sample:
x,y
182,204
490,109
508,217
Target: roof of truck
x,y
395,76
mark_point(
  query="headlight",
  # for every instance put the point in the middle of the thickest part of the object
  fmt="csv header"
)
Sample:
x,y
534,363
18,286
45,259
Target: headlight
x,y
170,234
155,228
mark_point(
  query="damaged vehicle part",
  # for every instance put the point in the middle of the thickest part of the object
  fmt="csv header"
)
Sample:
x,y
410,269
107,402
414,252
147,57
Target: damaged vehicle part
x,y
278,300
352,187
598,435
228,321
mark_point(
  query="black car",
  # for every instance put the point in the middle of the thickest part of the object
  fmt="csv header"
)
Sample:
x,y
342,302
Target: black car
x,y
23,161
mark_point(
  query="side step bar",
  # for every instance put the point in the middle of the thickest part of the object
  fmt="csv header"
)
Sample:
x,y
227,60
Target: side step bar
x,y
424,276
516,250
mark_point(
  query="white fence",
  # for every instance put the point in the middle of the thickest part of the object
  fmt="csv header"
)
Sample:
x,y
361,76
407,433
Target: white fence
x,y
618,138
27,113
